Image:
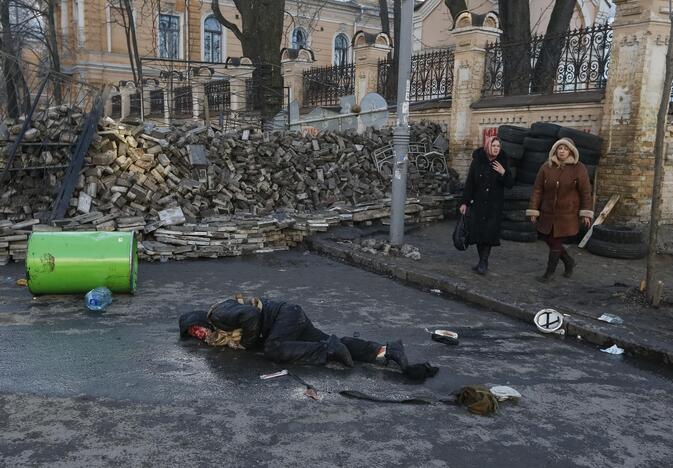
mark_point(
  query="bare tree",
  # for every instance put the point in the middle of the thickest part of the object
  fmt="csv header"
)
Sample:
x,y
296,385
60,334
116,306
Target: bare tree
x,y
653,288
455,7
552,47
123,10
260,36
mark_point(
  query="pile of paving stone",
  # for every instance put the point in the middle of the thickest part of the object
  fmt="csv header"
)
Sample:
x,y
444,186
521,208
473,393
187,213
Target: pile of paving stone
x,y
382,247
193,192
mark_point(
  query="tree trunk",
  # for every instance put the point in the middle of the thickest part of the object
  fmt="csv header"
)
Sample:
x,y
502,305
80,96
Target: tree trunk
x,y
391,79
455,7
127,34
655,214
260,36
53,48
544,75
133,46
515,41
385,18
9,66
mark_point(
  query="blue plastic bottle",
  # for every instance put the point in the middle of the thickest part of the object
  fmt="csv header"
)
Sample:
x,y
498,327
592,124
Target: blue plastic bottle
x,y
98,299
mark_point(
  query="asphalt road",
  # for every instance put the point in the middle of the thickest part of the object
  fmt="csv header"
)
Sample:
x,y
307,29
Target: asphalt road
x,y
120,388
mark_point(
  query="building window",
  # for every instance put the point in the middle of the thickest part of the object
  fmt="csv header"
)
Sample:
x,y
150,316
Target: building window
x,y
169,36
341,49
212,40
299,38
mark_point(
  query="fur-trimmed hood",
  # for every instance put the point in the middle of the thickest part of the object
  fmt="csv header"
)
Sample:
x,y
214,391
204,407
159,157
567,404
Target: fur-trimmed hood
x,y
574,157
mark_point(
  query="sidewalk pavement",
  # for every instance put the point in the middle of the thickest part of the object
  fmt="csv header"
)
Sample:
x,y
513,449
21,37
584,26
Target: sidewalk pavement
x,y
599,285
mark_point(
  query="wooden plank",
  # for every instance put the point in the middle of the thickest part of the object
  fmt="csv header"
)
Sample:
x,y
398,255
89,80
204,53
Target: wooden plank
x,y
601,218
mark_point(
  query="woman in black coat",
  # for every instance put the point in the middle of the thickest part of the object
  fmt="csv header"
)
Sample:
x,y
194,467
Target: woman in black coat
x,y
483,198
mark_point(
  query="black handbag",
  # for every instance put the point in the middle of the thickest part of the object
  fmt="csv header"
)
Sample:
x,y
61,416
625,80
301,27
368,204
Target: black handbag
x,y
460,234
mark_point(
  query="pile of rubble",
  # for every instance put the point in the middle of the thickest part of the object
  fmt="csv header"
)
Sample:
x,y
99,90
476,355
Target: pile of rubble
x,y
382,247
194,191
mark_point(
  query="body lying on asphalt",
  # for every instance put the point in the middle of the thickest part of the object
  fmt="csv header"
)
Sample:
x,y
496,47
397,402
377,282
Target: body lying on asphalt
x,y
286,335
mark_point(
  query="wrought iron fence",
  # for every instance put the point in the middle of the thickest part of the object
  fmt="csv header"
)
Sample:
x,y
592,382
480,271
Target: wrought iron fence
x,y
218,94
157,102
582,65
431,77
116,106
182,101
134,104
323,86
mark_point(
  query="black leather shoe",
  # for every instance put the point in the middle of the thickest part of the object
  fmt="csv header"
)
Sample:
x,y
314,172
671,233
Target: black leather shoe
x,y
337,351
395,352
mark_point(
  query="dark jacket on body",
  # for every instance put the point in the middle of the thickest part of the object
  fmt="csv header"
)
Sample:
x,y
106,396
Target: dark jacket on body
x,y
484,196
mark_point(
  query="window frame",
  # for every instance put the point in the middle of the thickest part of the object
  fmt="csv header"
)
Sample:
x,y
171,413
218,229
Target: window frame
x,y
293,41
178,36
347,50
209,34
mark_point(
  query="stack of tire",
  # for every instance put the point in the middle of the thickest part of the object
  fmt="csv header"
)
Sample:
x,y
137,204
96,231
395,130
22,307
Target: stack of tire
x,y
625,242
515,226
528,150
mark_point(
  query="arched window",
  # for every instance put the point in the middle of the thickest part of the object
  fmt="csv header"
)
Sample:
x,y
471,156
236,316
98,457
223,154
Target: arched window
x,y
212,40
299,38
340,49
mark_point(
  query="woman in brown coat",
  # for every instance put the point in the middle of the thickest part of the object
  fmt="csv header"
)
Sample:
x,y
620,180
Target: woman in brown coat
x,y
561,195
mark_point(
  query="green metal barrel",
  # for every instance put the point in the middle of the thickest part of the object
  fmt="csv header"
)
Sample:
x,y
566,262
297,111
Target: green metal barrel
x,y
76,262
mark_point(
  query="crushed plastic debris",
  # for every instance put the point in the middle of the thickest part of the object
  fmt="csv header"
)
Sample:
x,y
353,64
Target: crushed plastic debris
x,y
611,319
614,349
274,375
444,336
436,291
502,393
98,299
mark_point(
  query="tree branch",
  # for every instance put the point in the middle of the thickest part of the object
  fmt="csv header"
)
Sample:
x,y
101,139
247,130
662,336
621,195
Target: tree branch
x,y
456,7
215,5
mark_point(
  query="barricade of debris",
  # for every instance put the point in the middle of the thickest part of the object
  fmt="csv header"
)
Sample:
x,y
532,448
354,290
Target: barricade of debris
x,y
196,192
383,247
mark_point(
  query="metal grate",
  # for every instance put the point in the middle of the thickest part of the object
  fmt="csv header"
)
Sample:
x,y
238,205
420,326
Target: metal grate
x,y
182,101
324,86
510,69
116,106
157,102
134,109
218,94
431,77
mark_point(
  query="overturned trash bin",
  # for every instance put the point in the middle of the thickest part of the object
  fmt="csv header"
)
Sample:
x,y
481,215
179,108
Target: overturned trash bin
x,y
76,262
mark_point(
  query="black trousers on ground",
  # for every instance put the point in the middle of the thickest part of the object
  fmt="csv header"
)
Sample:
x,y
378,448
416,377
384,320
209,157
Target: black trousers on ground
x,y
293,338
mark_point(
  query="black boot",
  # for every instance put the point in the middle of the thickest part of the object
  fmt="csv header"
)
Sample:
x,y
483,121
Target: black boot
x,y
484,252
552,262
569,263
337,351
395,352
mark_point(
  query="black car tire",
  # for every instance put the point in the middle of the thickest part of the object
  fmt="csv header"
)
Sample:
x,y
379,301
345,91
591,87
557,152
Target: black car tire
x,y
615,250
618,234
541,145
512,150
519,226
512,134
582,139
518,236
544,130
519,192
526,177
588,156
511,205
518,216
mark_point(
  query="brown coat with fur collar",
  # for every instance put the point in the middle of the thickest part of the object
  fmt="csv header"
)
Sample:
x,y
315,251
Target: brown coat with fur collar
x,y
561,194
